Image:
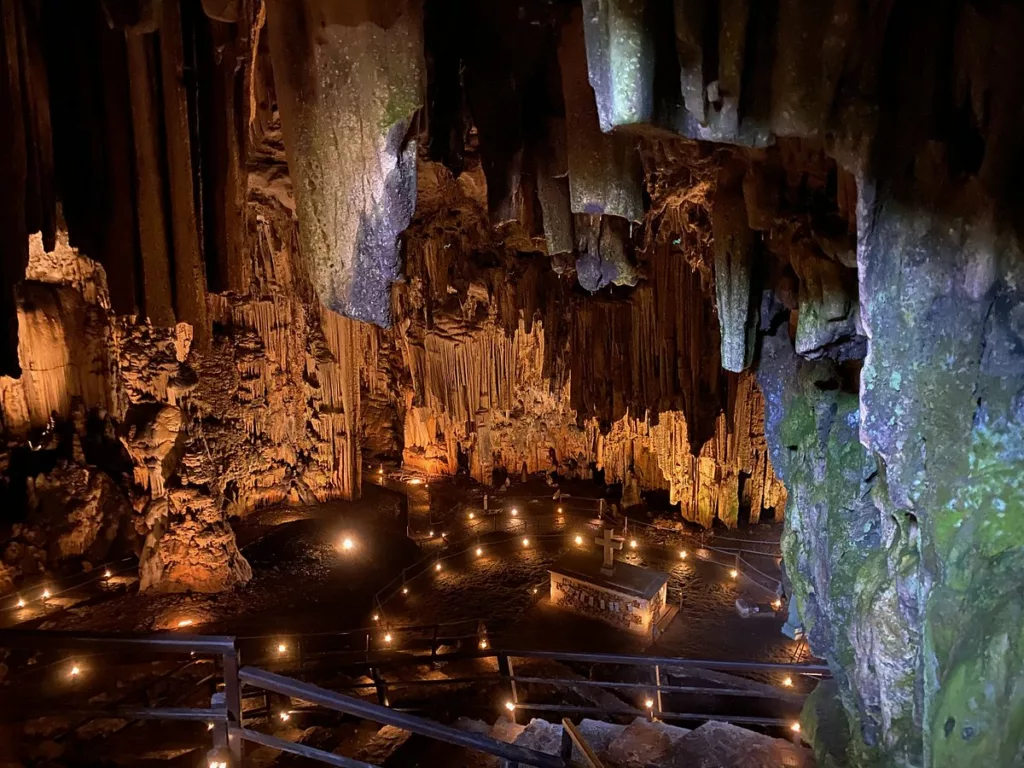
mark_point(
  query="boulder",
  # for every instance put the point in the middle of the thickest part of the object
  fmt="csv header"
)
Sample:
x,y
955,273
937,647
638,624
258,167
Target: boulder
x,y
722,745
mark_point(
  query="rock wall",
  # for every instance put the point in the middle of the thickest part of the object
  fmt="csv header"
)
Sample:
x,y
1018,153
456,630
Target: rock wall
x,y
489,338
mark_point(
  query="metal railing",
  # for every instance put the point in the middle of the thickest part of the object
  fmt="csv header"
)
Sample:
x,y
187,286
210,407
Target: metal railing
x,y
225,715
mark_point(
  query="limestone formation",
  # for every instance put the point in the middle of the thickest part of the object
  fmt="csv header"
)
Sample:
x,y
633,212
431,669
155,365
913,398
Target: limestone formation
x,y
349,78
820,198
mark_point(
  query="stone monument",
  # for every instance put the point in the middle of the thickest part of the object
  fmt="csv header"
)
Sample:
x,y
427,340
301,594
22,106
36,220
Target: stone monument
x,y
626,596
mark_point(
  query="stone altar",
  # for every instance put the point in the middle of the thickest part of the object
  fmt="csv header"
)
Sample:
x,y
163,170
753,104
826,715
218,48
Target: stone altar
x,y
623,595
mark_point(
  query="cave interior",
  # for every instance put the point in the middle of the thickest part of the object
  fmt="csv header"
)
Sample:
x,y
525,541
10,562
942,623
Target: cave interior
x,y
278,271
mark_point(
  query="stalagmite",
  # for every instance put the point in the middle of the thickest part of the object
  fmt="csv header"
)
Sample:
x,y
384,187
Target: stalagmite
x,y
349,78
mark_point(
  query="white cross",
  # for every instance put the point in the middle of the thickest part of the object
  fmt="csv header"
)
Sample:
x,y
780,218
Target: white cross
x,y
610,542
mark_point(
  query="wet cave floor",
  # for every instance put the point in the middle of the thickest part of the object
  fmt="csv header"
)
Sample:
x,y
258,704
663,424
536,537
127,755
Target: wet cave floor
x,y
306,583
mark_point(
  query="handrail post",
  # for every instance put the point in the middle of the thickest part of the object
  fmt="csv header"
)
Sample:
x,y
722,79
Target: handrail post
x,y
233,704
505,670
657,683
381,685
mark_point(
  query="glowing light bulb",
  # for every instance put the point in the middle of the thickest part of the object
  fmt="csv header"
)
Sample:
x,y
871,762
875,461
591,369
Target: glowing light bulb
x,y
479,551
649,703
526,542
788,682
46,594
483,644
430,534
437,566
209,727
471,515
284,716
107,574
380,471
185,623
444,534
75,670
376,617
682,554
776,604
387,638
535,590
515,512
21,602
282,648
415,481
559,510
632,544
795,727
405,590
578,540
347,544
510,706
733,573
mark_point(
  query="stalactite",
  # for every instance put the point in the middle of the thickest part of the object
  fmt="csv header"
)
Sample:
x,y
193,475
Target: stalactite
x,y
348,80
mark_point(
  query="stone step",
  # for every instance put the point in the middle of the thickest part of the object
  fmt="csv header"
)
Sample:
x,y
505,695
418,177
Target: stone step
x,y
384,746
647,744
641,743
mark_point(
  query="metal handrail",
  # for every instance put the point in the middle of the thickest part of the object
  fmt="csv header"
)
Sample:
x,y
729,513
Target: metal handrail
x,y
570,737
338,702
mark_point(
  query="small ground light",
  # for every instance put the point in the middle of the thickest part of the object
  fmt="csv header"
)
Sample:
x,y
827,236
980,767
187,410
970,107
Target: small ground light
x,y
795,727
282,648
510,706
46,594
526,542
649,703
284,716
483,644
75,670
632,544
578,540
21,602
415,481
535,590
185,623
444,534
209,726
776,604
107,574
347,544
682,554
515,512
471,515
479,551
788,682
218,764
559,510
437,566
405,590
430,534
376,617
733,573
387,638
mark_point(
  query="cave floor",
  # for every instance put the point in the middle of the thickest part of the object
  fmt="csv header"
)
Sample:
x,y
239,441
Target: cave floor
x,y
304,582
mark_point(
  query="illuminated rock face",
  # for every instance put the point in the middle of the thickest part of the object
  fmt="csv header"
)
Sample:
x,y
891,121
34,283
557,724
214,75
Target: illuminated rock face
x,y
349,78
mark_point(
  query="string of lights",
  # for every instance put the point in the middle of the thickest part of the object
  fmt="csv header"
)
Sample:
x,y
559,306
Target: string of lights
x,y
103,572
